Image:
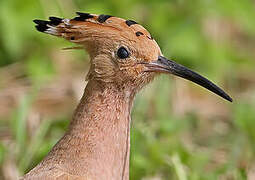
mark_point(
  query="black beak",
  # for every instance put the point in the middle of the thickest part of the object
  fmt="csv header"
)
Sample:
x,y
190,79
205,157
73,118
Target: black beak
x,y
169,66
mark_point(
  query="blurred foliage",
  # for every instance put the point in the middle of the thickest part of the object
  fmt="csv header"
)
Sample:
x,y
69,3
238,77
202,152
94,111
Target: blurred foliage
x,y
179,131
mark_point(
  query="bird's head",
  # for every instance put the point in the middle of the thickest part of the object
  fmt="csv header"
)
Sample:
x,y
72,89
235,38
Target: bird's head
x,y
122,51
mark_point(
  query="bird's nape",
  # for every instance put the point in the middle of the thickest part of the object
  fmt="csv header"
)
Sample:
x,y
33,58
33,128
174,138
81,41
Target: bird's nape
x,y
165,65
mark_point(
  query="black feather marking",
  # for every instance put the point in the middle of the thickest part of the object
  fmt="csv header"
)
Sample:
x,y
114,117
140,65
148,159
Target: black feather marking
x,y
150,37
40,22
41,25
41,28
138,33
55,21
82,16
102,18
130,22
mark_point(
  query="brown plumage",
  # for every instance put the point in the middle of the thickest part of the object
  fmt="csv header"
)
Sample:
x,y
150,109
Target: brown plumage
x,y
124,58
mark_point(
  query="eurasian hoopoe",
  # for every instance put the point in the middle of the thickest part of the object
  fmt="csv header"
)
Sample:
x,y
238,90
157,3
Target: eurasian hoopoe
x,y
124,58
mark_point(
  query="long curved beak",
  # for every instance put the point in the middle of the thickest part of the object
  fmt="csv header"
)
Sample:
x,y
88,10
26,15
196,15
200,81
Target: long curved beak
x,y
168,66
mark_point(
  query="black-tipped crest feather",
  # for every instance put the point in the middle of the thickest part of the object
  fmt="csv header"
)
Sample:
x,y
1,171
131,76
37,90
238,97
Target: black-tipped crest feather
x,y
82,16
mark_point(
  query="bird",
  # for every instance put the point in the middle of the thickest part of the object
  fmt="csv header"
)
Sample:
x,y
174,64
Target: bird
x,y
124,58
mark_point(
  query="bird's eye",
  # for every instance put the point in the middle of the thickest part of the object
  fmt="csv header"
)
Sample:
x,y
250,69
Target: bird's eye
x,y
122,53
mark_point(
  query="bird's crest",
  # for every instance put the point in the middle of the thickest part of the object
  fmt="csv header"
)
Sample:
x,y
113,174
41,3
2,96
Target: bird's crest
x,y
57,26
90,28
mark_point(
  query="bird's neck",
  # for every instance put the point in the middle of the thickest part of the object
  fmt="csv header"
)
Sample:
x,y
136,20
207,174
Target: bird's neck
x,y
101,123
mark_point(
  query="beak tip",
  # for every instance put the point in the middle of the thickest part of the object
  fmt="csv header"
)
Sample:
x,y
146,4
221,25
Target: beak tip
x,y
227,97
230,99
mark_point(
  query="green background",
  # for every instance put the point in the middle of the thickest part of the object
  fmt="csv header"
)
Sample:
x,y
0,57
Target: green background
x,y
179,130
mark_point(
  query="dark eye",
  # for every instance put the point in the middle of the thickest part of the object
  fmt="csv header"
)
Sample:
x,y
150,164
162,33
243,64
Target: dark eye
x,y
122,53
